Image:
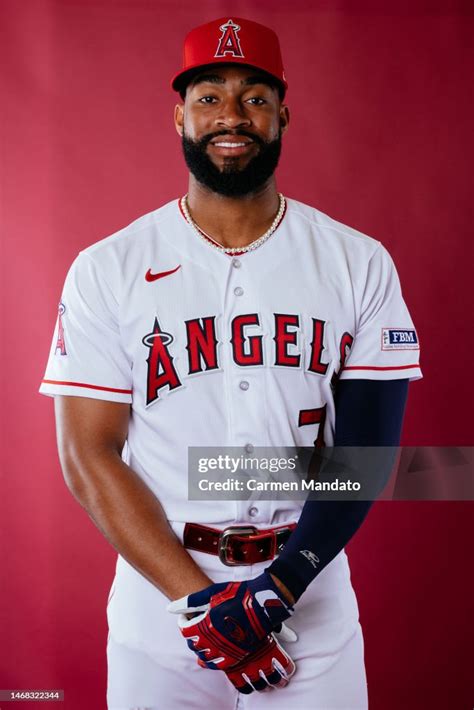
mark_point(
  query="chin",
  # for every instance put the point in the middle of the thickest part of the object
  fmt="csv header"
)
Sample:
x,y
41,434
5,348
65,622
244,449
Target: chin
x,y
232,164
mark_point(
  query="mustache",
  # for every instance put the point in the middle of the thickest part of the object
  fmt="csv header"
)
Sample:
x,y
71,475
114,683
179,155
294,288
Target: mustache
x,y
241,132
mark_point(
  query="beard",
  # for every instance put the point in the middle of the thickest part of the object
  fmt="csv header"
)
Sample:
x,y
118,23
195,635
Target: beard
x,y
232,181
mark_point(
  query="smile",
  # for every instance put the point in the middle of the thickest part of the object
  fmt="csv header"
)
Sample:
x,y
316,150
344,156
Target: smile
x,y
230,145
228,148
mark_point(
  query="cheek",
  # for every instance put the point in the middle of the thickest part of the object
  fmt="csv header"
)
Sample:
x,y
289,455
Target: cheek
x,y
195,124
188,124
194,131
274,131
269,126
188,127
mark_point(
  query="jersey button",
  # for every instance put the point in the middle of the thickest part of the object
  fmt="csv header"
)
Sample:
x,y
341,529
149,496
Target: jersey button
x,y
239,291
236,263
244,385
253,512
249,448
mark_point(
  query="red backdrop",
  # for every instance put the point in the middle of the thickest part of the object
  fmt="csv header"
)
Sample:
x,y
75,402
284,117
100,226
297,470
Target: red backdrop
x,y
381,132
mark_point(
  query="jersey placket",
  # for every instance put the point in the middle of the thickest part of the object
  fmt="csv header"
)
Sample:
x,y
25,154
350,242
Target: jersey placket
x,y
245,382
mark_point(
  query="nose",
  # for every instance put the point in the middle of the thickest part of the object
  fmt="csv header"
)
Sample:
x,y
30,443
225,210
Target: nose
x,y
232,114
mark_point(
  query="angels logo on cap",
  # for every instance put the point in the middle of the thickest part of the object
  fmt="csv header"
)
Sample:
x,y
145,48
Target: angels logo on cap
x,y
229,42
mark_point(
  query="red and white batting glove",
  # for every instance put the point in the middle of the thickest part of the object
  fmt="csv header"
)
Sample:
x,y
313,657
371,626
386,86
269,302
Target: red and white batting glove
x,y
270,666
235,619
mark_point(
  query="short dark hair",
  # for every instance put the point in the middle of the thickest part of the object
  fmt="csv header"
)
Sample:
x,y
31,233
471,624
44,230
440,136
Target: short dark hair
x,y
266,78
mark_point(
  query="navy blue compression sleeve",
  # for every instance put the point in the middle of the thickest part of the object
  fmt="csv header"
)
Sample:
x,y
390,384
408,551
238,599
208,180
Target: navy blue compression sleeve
x,y
368,413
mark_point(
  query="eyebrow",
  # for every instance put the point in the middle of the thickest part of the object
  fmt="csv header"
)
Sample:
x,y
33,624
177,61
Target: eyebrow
x,y
216,79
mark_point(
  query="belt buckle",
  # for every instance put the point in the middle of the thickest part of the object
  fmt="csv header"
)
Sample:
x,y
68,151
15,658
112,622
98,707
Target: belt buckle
x,y
224,541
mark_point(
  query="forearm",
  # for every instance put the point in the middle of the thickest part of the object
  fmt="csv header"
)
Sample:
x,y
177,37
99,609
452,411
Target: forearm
x,y
324,529
326,526
132,519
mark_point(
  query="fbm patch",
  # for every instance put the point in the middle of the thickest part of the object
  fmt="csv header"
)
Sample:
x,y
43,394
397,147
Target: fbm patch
x,y
399,339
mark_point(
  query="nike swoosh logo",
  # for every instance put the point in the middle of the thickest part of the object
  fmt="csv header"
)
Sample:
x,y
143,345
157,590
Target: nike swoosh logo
x,y
161,274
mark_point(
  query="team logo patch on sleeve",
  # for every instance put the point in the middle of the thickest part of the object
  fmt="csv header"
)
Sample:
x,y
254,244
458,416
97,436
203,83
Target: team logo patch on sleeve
x,y
399,339
61,343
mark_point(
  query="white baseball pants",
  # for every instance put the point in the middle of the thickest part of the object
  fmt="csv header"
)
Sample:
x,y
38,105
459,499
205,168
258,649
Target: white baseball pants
x,y
150,666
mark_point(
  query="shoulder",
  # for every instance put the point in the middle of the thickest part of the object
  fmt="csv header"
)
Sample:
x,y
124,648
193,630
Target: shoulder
x,y
111,263
135,235
333,233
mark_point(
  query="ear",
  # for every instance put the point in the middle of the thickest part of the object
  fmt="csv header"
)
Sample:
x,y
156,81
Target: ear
x,y
284,117
179,118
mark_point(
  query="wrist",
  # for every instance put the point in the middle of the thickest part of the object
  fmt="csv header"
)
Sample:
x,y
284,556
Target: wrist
x,y
288,575
283,589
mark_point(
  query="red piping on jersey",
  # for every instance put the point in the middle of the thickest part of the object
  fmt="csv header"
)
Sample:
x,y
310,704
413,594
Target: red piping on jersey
x,y
81,384
373,367
212,241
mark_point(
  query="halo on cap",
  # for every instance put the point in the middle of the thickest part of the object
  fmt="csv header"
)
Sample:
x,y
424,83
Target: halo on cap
x,y
231,41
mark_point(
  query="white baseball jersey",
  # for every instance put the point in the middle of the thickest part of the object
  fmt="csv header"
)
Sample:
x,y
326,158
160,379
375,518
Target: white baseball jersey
x,y
211,350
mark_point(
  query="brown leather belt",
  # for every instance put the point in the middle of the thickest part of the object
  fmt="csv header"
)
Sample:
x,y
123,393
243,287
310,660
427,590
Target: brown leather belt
x,y
238,544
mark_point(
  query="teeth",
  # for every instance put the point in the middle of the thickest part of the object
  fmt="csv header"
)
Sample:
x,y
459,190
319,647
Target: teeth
x,y
230,145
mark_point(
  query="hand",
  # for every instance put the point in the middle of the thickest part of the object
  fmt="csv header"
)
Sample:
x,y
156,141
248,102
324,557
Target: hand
x,y
235,618
269,666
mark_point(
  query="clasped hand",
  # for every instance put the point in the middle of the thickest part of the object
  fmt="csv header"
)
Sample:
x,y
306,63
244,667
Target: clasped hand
x,y
236,627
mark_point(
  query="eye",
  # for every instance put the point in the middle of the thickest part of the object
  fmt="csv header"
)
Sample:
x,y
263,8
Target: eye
x,y
257,101
207,99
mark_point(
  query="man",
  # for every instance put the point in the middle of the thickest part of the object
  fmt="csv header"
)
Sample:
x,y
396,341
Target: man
x,y
230,317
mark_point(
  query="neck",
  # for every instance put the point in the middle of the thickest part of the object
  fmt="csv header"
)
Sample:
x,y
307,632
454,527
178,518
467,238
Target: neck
x,y
233,221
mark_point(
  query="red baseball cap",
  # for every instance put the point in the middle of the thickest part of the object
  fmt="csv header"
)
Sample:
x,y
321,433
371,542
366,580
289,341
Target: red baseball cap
x,y
231,40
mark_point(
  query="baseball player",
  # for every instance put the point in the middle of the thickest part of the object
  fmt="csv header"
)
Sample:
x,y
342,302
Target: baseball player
x,y
232,316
